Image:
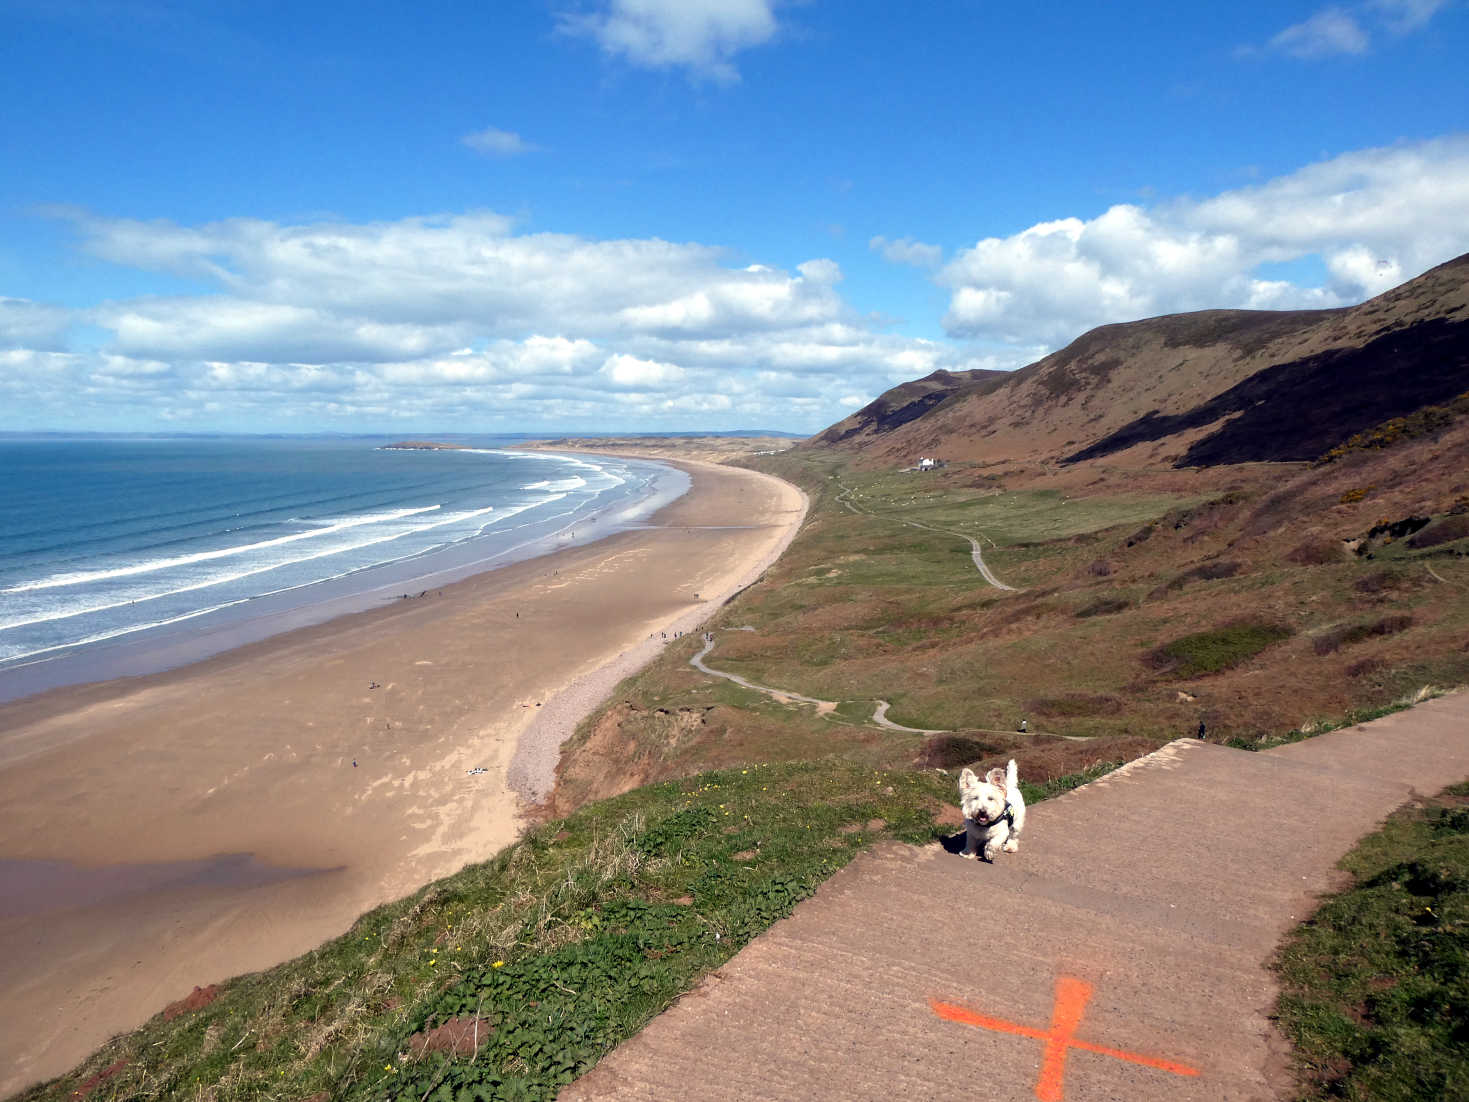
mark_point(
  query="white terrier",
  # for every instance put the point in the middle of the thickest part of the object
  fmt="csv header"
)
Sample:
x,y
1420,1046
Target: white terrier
x,y
994,811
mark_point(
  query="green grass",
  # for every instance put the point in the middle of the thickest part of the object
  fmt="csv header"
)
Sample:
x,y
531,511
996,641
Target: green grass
x,y
1206,652
1376,984
561,947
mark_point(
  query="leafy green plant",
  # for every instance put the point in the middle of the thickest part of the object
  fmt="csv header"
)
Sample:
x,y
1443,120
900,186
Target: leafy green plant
x,y
1206,652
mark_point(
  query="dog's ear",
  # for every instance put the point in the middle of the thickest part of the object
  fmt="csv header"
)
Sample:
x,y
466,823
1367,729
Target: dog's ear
x,y
967,780
996,777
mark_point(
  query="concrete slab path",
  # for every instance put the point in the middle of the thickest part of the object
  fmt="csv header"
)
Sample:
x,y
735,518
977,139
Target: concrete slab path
x,y
1121,954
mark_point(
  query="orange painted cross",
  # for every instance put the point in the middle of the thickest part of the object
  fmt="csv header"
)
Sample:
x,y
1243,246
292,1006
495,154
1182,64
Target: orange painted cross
x,y
1071,999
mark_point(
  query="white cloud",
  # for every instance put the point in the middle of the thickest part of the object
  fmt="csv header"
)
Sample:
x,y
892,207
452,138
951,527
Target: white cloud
x,y
905,250
1330,31
439,320
701,36
498,143
1336,31
629,371
1405,16
227,328
1372,218
27,324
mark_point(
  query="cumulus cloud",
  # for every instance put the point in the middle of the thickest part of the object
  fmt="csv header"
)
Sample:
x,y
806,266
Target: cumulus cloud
x,y
636,374
905,250
1372,218
442,322
498,143
235,329
701,36
465,316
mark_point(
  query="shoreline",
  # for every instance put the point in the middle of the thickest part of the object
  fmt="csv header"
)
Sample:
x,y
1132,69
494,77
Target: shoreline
x,y
172,645
338,755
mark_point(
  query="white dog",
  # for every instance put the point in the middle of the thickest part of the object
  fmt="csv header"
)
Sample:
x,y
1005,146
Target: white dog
x,y
994,811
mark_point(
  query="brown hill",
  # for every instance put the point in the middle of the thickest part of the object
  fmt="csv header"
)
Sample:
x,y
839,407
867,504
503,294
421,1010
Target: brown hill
x,y
1199,389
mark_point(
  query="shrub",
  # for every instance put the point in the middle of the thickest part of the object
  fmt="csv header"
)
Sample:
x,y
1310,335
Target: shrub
x,y
1445,531
1101,568
1380,581
1389,530
1317,552
947,751
1216,650
1421,422
1346,634
1076,704
1205,571
1104,606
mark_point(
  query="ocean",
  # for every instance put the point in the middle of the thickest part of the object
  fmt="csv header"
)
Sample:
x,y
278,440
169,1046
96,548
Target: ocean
x,y
128,555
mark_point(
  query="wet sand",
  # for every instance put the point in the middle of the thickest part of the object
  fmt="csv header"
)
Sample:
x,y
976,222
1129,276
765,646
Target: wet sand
x,y
170,831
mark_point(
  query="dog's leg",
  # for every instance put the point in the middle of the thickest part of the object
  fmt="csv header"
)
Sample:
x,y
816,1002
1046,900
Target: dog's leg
x,y
992,844
968,853
1017,825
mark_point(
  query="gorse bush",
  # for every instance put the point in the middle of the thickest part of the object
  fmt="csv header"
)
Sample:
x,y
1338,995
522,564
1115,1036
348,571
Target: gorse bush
x,y
1421,422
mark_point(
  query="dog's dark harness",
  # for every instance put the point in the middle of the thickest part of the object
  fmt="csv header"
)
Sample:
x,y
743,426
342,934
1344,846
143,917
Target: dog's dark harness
x,y
1008,815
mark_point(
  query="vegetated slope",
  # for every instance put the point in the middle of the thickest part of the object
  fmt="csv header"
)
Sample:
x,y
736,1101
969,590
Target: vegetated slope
x,y
908,402
1198,389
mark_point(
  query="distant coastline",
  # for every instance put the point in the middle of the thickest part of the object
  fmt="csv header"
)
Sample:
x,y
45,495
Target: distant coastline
x,y
422,446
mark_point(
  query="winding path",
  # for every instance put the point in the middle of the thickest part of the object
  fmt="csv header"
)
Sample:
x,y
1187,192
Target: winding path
x,y
879,715
975,552
826,707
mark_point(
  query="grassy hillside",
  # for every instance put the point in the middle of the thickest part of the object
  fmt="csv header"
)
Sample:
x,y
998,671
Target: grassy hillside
x,y
1143,605
1200,389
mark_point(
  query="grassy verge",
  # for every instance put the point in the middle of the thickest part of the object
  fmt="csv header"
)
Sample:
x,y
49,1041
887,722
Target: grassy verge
x,y
510,978
1376,985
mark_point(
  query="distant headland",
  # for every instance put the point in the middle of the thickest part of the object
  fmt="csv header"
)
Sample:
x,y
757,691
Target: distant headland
x,y
422,446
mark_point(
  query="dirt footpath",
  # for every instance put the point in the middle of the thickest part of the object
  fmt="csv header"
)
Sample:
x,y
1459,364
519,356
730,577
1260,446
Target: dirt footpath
x,y
1121,954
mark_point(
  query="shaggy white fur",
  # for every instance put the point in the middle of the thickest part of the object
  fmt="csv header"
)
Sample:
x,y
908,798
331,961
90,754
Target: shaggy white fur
x,y
994,811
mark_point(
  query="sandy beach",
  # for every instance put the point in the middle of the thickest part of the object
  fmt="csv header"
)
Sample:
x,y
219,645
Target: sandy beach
x,y
170,831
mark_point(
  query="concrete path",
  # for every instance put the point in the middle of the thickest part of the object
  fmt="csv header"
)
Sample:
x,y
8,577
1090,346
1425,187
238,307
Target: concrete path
x,y
1121,954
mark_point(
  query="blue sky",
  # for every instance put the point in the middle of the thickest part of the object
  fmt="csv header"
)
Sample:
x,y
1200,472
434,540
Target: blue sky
x,y
618,215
